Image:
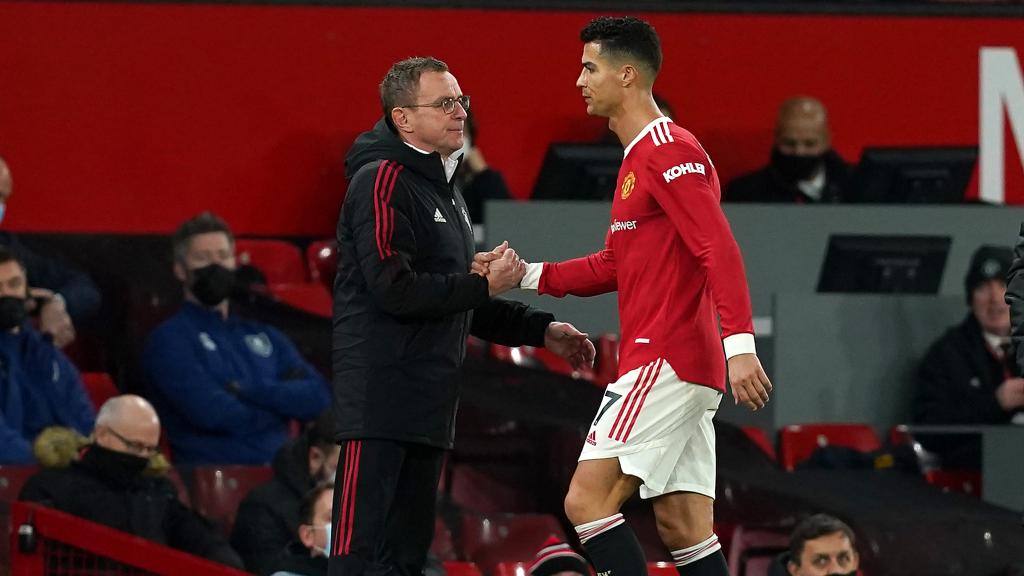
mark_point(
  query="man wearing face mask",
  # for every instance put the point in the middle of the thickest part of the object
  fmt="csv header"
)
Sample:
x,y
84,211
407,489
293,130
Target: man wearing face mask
x,y
804,169
66,297
269,516
821,545
39,386
110,485
226,388
307,556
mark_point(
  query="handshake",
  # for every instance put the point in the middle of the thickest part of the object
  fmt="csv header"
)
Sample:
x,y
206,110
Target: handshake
x,y
502,268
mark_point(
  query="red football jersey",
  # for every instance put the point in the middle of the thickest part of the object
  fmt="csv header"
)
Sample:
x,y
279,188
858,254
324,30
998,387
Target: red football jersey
x,y
672,257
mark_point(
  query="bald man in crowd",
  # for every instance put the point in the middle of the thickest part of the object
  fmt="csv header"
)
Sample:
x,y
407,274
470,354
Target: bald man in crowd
x,y
110,485
803,169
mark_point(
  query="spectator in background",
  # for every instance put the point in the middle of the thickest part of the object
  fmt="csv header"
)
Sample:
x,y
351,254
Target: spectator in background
x,y
803,168
66,297
477,180
969,375
269,516
225,387
39,387
110,485
819,546
307,556
557,558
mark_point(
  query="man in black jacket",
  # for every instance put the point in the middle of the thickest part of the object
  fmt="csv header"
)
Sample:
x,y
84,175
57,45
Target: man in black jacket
x,y
268,518
108,485
404,303
803,169
969,375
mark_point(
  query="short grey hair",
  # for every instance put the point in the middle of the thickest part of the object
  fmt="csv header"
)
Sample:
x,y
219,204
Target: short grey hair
x,y
113,409
402,82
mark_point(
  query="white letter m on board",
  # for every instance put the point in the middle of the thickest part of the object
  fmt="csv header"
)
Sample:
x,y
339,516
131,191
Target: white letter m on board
x,y
1001,86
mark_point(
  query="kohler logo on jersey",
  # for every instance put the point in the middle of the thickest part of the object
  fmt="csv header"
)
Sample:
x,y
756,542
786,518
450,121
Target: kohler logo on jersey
x,y
618,226
687,168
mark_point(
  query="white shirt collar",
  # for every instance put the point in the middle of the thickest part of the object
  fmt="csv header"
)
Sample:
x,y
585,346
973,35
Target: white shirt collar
x,y
813,187
644,132
995,342
450,163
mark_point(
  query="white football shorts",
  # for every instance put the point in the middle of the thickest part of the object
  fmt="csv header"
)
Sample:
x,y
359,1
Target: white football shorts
x,y
660,429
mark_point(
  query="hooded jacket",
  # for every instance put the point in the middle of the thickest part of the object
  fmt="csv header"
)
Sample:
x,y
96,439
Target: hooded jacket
x,y
404,300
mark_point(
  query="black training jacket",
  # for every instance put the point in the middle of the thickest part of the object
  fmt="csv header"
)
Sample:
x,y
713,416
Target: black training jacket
x,y
404,300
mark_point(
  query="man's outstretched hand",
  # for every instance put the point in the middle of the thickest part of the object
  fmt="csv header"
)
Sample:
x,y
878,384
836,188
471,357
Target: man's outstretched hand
x,y
566,341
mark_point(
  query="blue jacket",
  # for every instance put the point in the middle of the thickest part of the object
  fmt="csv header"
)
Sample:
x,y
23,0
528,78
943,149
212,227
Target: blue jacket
x,y
39,387
227,389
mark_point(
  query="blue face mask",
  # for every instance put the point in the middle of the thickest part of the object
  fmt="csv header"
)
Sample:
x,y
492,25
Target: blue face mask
x,y
327,541
3,209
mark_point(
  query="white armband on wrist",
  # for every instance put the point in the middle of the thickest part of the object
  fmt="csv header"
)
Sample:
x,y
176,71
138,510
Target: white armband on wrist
x,y
739,344
531,281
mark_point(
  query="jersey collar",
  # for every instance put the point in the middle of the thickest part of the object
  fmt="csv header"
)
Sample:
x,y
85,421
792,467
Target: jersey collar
x,y
644,132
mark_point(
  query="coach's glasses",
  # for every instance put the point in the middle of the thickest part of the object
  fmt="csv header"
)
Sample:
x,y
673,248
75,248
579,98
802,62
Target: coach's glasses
x,y
446,105
134,446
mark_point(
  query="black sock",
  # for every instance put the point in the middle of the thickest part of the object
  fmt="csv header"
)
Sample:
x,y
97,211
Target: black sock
x,y
704,559
613,547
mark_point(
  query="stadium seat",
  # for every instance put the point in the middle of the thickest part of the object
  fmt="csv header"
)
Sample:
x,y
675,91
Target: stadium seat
x,y
322,261
452,568
757,436
217,490
100,387
309,297
798,441
963,481
278,260
491,540
750,546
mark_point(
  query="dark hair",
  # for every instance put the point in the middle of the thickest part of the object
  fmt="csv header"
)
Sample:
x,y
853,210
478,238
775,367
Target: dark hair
x,y
815,527
402,82
307,506
202,224
7,255
320,433
625,37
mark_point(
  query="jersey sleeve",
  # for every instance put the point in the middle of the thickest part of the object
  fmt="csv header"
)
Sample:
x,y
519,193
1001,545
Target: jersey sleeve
x,y
688,192
586,276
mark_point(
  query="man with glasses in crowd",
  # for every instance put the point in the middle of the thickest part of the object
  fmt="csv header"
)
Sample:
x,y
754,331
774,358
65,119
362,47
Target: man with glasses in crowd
x,y
404,303
110,485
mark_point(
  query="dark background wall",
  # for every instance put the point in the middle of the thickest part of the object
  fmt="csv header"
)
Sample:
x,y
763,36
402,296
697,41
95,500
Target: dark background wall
x,y
127,118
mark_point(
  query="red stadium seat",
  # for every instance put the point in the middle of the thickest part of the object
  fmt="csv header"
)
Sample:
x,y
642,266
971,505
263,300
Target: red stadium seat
x,y
100,387
452,568
491,540
309,297
799,441
322,262
217,490
964,481
278,260
750,545
757,436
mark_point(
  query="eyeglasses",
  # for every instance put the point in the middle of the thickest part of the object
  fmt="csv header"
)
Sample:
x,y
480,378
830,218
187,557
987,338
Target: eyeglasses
x,y
136,447
446,105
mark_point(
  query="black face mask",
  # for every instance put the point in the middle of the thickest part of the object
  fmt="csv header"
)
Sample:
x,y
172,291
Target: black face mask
x,y
118,464
212,284
854,573
795,168
12,312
